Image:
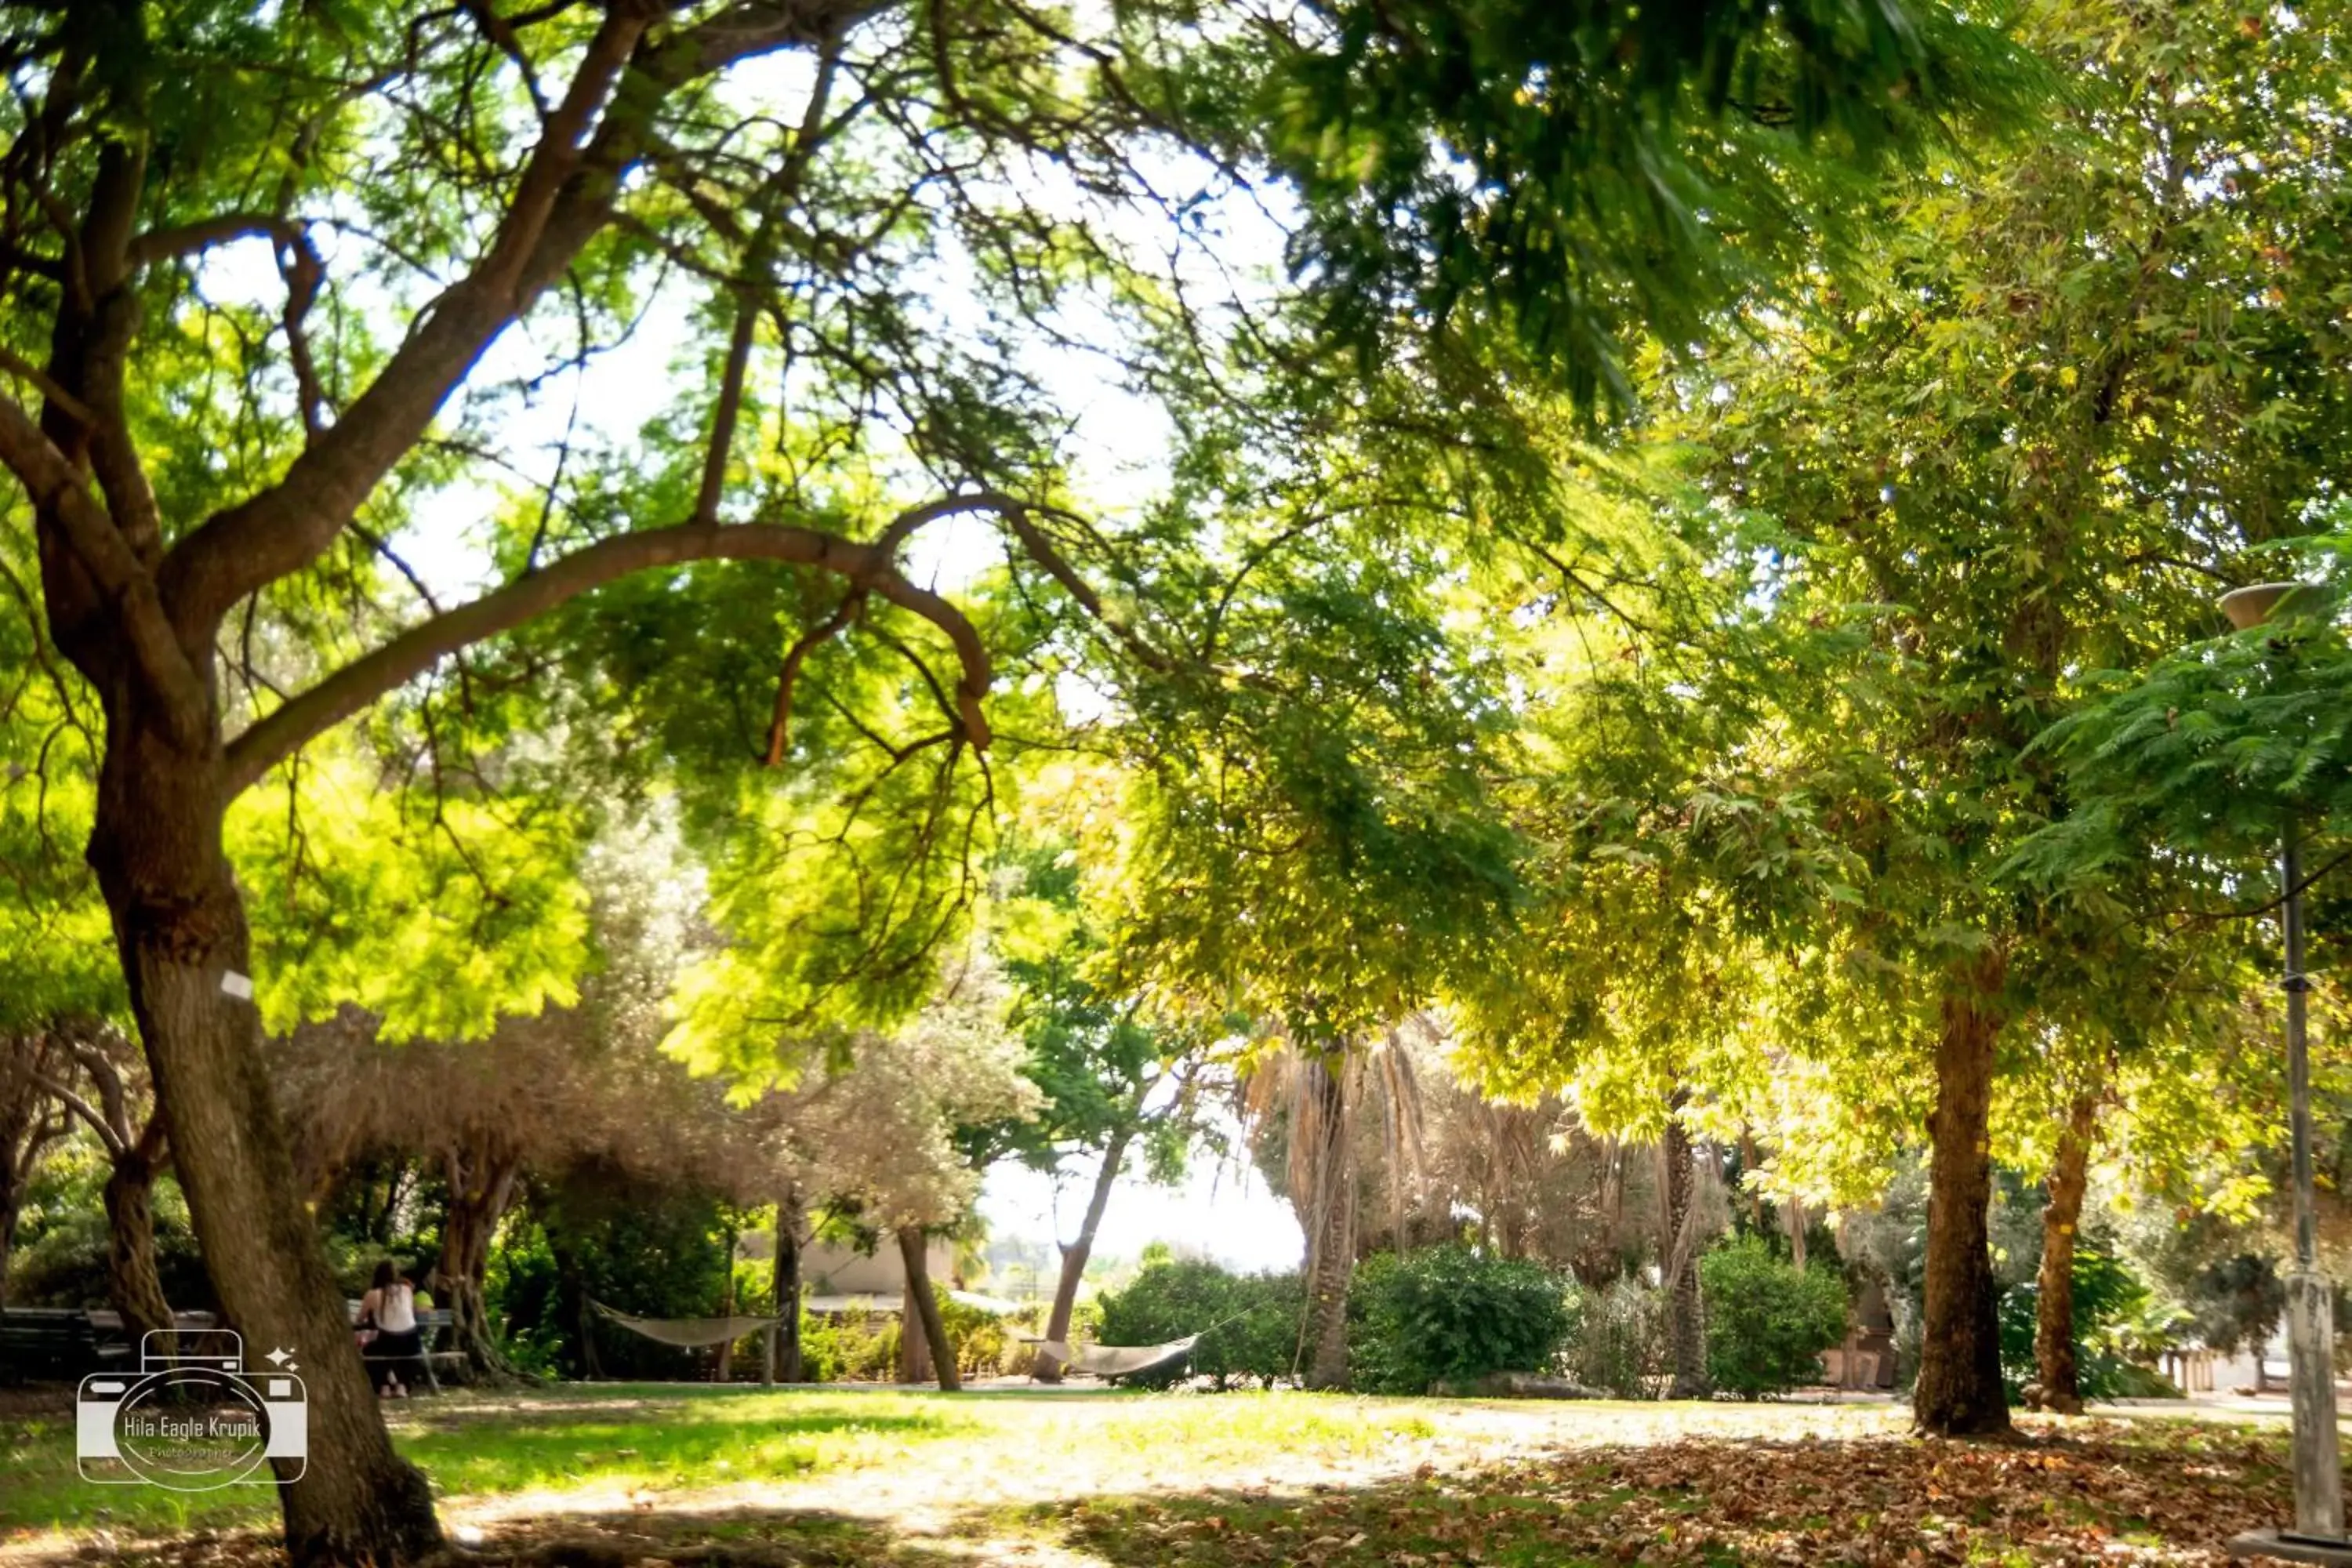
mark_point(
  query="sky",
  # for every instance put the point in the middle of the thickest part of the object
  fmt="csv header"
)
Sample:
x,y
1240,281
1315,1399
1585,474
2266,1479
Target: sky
x,y
1220,1211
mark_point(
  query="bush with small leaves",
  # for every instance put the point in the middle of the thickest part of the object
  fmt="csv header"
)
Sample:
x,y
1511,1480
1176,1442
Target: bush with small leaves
x,y
1768,1321
1450,1314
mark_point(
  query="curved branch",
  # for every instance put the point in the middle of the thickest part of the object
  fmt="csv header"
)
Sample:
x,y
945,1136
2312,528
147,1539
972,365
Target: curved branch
x,y
59,1089
356,686
191,238
780,722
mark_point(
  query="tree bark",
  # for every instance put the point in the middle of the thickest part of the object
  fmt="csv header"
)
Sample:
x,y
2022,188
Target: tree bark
x,y
922,1310
10,1210
29,1125
1047,1367
1329,1196
481,1188
2054,1318
722,1367
785,1346
1958,1392
1685,1329
133,1284
181,929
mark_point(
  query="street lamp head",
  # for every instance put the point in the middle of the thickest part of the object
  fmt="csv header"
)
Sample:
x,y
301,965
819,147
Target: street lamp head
x,y
2250,606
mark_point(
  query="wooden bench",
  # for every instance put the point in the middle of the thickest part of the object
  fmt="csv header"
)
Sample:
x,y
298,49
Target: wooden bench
x,y
54,1342
432,1328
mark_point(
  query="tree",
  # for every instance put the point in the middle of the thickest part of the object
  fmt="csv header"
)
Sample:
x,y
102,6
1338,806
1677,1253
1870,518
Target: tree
x,y
161,135
872,1134
1110,1076
136,1153
31,1120
2014,443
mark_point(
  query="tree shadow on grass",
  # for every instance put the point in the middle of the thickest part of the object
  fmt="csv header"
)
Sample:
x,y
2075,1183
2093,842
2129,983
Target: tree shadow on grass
x,y
2172,1492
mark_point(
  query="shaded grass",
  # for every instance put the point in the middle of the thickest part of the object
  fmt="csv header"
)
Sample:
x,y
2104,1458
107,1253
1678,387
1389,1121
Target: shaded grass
x,y
2082,1493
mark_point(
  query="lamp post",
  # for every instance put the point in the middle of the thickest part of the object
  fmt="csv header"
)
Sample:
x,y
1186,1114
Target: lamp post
x,y
2318,1532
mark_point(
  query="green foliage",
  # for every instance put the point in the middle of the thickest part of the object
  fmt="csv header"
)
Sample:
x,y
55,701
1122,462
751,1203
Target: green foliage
x,y
60,1257
1172,1298
1768,1321
1629,145
1617,1340
850,1347
2120,1324
1447,1313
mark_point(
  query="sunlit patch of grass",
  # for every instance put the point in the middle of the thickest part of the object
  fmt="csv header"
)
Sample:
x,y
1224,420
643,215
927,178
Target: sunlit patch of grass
x,y
640,1438
693,1443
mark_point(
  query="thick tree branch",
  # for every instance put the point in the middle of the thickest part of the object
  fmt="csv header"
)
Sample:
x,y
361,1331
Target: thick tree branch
x,y
193,238
57,490
564,196
271,740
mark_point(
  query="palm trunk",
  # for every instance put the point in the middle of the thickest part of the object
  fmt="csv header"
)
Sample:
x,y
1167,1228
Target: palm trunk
x,y
722,1369
923,1314
133,1284
1685,1332
480,1190
1959,1393
2054,1318
1047,1367
785,1344
181,931
1329,1196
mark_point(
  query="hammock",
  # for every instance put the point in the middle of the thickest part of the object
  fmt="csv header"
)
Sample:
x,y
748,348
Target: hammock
x,y
1119,1361
688,1334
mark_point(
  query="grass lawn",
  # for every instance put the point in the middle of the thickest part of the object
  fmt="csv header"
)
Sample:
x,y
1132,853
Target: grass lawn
x,y
696,1474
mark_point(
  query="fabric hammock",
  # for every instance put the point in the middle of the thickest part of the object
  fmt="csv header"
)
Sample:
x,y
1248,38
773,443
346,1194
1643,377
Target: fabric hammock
x,y
1119,1361
688,1334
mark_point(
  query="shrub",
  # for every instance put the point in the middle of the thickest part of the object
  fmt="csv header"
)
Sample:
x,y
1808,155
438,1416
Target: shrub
x,y
1768,1321
1173,1297
1617,1340
1446,1313
853,1347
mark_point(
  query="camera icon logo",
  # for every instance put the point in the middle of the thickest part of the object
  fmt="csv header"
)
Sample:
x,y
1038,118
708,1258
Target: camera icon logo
x,y
193,1423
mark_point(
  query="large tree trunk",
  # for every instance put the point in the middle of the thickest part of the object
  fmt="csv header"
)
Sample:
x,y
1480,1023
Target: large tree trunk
x,y
181,929
1048,1366
2054,1318
1958,1392
481,1187
1326,1194
922,1316
1679,1270
133,1284
784,1346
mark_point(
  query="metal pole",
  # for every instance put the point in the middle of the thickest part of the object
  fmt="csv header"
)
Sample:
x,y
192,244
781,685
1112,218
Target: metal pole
x,y
2311,1305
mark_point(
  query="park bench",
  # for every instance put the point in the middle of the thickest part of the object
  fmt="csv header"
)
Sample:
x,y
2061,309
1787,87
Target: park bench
x,y
432,1328
56,1343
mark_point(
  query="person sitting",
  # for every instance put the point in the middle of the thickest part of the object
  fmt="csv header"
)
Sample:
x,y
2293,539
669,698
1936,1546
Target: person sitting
x,y
389,1309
